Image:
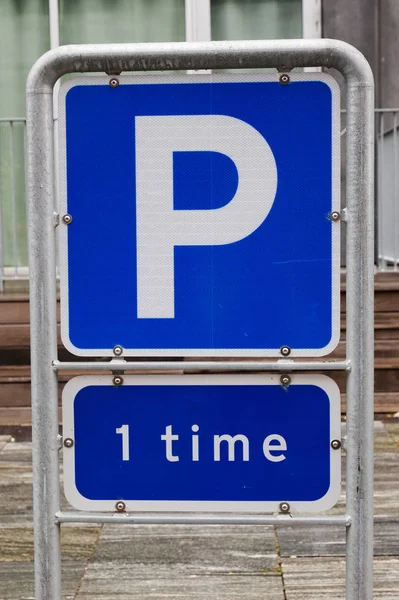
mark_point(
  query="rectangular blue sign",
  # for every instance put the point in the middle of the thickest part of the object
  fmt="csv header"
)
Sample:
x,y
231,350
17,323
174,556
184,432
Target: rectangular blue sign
x,y
198,215
201,442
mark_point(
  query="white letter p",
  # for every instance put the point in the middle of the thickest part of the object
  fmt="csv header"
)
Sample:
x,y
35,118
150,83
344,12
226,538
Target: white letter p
x,y
160,228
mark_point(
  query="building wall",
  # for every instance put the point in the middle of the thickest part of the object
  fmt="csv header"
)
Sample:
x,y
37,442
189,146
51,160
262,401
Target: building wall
x,y
372,26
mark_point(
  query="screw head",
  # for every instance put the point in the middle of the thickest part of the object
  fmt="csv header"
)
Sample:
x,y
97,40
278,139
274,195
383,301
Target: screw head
x,y
117,381
284,79
67,219
285,380
284,507
336,444
114,82
335,216
120,506
68,442
285,350
118,350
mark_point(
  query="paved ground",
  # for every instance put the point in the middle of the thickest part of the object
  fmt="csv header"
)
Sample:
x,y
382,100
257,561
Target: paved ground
x,y
204,562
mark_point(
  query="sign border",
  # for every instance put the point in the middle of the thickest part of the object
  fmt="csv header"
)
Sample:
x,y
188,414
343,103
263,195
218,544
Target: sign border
x,y
335,207
81,503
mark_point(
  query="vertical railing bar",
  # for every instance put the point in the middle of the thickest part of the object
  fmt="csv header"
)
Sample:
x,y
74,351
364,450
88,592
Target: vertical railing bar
x,y
13,201
25,182
380,189
1,229
395,190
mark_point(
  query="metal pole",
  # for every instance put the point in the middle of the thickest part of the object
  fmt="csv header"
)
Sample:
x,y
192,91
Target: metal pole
x,y
360,333
43,344
1,233
183,56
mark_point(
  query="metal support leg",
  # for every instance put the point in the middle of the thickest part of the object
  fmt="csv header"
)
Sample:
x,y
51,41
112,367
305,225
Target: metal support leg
x,y
360,339
43,347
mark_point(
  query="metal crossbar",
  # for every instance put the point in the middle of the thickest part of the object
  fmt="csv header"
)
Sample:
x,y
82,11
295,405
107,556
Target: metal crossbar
x,y
282,365
200,519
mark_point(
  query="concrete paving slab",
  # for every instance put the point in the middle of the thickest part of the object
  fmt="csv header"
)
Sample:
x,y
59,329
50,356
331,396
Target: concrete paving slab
x,y
324,578
330,541
115,581
77,542
392,428
17,580
17,453
207,549
4,439
180,561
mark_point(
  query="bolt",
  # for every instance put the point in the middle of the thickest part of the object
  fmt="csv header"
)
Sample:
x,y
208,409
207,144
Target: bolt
x,y
335,216
285,350
67,219
120,506
68,443
117,380
284,79
285,380
284,507
336,444
114,82
118,350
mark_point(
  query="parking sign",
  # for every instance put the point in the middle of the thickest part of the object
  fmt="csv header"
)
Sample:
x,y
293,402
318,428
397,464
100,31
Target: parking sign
x,y
202,442
197,215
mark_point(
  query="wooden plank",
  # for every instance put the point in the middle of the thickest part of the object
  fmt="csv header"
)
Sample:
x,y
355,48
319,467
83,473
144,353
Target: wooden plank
x,y
20,415
14,336
15,309
15,416
14,297
14,312
15,403
382,320
18,336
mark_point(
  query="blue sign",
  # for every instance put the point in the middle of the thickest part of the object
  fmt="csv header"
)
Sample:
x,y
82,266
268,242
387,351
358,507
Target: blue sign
x,y
209,442
200,213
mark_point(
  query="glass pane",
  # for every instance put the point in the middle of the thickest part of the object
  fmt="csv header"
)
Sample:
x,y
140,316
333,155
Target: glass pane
x,y
24,36
102,21
12,190
256,19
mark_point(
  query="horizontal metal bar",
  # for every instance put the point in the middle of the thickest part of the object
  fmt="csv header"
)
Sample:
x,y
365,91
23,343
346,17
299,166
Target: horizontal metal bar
x,y
279,365
200,519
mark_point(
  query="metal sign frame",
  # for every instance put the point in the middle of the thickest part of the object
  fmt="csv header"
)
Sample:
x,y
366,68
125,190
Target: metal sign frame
x,y
358,363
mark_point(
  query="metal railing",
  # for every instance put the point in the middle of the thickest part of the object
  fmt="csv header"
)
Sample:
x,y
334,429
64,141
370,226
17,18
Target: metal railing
x,y
387,187
13,238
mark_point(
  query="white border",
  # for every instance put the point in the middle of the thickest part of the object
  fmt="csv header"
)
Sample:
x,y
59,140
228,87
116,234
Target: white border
x,y
80,502
203,78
